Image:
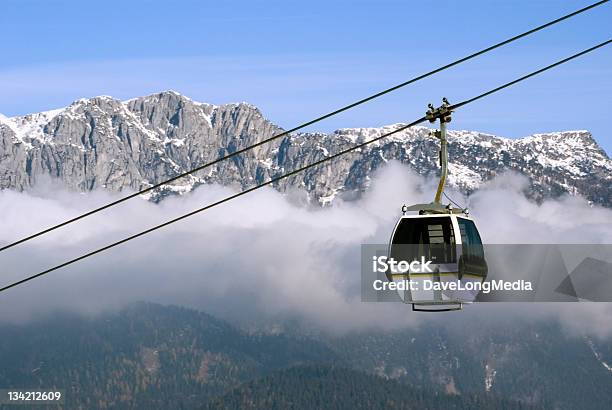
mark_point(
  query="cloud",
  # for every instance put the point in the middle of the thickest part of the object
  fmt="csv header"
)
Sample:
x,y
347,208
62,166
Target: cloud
x,y
261,258
257,256
507,216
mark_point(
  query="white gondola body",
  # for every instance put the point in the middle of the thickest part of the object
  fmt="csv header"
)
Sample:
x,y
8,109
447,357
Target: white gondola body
x,y
450,241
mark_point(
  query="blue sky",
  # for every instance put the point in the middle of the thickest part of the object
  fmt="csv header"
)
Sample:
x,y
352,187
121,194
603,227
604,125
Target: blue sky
x,y
297,60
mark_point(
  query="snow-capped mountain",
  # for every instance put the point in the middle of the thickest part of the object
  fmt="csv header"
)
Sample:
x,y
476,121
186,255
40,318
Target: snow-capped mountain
x,y
106,143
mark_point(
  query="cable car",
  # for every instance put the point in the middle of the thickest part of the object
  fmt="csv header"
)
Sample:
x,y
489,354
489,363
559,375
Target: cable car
x,y
445,237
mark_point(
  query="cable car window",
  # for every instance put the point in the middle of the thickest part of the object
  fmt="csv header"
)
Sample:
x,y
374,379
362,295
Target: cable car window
x,y
469,233
472,244
434,233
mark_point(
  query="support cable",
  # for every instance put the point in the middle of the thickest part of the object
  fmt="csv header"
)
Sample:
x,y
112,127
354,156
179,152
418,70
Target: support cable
x,y
314,164
306,124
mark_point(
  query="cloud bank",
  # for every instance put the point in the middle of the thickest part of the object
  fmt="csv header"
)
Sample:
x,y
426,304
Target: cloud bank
x,y
261,258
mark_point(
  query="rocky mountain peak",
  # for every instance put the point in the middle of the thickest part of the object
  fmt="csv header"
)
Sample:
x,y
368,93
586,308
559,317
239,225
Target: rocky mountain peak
x,y
102,142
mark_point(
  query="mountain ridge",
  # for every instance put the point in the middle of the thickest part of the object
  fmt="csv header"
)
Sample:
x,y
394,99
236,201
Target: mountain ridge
x,y
105,143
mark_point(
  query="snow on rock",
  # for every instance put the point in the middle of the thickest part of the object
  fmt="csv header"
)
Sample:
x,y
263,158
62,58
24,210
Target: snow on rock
x,y
598,355
31,126
462,176
490,373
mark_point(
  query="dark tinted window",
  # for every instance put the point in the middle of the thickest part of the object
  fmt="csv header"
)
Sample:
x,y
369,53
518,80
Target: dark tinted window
x,y
433,235
470,238
469,233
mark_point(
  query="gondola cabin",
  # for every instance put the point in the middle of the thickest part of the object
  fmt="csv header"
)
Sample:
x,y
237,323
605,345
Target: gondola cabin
x,y
451,242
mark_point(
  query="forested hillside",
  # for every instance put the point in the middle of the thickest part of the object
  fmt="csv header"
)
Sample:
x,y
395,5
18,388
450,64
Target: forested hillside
x,y
321,387
159,357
